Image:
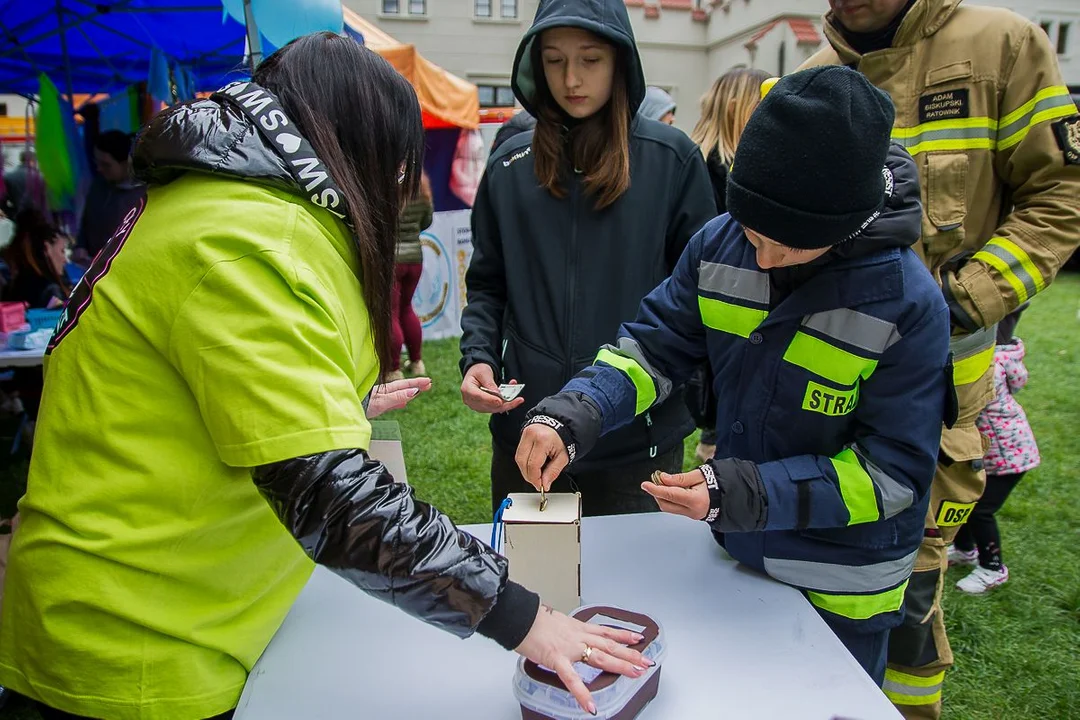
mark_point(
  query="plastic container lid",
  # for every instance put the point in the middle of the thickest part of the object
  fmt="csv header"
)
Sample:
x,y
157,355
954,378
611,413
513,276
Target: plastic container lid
x,y
41,319
548,697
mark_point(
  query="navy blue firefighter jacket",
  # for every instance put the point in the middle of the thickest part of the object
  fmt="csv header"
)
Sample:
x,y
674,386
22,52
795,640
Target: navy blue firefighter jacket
x,y
832,379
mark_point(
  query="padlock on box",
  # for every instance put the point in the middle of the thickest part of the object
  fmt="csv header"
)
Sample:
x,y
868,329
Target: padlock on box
x,y
544,547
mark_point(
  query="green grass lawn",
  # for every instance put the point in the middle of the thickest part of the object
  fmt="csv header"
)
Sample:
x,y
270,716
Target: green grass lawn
x,y
1017,650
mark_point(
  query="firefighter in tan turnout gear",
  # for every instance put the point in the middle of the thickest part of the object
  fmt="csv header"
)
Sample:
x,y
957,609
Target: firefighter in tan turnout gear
x,y
981,105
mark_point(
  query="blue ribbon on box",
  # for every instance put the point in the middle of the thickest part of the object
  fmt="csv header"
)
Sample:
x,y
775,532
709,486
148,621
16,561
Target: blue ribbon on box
x,y
497,525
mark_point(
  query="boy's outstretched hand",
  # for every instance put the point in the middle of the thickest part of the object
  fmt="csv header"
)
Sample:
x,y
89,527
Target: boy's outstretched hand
x,y
682,494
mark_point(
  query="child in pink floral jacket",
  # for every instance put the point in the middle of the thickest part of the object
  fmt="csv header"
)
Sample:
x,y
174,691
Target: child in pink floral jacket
x,y
1012,453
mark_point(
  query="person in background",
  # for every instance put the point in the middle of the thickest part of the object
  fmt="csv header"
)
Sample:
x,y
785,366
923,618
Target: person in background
x,y
574,223
658,105
830,342
113,192
203,439
521,122
7,230
408,266
26,186
36,257
981,105
725,110
1012,453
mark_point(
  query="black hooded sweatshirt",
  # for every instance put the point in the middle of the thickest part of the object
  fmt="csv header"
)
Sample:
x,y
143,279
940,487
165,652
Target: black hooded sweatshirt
x,y
552,279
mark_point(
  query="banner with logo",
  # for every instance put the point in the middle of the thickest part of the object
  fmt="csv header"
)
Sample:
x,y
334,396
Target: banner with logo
x,y
440,296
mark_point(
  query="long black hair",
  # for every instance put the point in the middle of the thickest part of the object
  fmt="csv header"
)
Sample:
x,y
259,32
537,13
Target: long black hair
x,y
28,253
363,121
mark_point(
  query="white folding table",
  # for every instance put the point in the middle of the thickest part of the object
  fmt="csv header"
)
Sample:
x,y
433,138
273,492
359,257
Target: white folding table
x,y
740,645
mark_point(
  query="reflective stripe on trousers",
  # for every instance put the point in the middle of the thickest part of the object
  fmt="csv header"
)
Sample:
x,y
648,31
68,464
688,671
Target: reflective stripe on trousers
x,y
905,689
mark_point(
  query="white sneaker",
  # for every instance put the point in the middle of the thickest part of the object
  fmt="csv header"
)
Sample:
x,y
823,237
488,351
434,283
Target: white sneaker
x,y
982,579
961,557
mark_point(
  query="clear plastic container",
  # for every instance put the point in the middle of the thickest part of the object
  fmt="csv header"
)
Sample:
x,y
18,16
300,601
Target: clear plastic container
x,y
542,695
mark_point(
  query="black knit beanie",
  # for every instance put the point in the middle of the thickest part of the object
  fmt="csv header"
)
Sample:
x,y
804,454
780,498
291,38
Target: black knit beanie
x,y
808,171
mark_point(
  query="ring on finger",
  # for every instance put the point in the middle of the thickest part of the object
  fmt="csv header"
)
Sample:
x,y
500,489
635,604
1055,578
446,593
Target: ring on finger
x,y
587,655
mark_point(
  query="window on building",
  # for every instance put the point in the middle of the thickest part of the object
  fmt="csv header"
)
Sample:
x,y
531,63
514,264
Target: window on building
x,y
1063,37
1048,27
417,7
495,96
483,8
509,8
391,6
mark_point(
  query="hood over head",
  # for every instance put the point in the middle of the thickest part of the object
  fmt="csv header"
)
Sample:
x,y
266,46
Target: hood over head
x,y
241,132
605,18
656,104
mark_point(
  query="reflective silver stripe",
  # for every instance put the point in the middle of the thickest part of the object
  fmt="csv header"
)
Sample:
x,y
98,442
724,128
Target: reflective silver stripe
x,y
1015,265
855,328
1024,120
734,282
973,344
895,497
971,133
631,349
826,577
895,687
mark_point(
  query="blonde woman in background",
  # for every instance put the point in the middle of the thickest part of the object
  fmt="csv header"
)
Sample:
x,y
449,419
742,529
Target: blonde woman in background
x,y
725,110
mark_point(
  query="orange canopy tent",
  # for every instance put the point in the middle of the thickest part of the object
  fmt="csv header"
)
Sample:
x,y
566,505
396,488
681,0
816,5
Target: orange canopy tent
x,y
447,101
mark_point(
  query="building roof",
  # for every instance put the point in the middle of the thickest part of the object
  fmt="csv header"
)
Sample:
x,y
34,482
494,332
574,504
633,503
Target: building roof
x,y
804,30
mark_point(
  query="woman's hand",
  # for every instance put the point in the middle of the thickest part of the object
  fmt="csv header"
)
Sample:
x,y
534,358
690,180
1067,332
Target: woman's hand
x,y
557,642
683,494
541,456
395,395
487,400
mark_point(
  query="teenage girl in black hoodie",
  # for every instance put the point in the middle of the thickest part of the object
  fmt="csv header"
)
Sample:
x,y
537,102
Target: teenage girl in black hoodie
x,y
573,225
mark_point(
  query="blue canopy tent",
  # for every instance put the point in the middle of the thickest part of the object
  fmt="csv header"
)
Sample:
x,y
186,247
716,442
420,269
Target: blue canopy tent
x,y
94,46
56,49
109,46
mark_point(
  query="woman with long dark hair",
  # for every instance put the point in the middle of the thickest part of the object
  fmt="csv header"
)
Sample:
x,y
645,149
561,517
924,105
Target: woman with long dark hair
x,y
36,257
573,225
202,436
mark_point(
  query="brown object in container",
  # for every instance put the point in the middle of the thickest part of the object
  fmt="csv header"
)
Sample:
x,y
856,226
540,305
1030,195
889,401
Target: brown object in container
x,y
636,705
644,694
